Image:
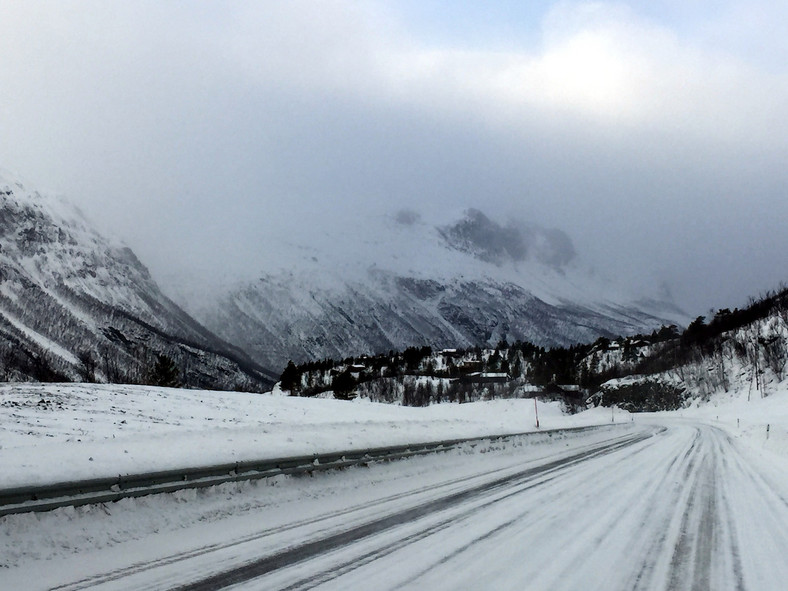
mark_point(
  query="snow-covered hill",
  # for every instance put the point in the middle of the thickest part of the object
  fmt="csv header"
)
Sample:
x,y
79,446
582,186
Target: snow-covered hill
x,y
371,284
736,355
75,305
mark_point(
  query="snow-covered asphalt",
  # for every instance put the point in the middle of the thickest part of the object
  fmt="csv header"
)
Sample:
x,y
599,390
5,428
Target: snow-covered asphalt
x,y
676,505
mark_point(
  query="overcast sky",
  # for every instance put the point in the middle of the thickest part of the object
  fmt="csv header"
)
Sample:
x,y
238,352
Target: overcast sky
x,y
654,133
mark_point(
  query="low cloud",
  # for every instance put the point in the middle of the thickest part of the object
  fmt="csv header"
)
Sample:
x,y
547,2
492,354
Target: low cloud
x,y
512,242
658,144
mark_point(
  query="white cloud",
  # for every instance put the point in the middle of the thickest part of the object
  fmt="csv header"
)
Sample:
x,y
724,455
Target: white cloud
x,y
171,120
600,62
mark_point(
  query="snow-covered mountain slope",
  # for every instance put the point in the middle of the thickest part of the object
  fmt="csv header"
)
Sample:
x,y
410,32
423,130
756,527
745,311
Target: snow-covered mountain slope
x,y
74,305
395,281
736,356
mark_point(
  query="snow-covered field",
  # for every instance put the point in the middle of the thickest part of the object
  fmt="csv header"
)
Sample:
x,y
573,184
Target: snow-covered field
x,y
664,501
54,433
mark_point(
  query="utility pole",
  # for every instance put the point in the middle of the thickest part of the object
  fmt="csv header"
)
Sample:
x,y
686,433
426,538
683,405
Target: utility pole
x,y
536,413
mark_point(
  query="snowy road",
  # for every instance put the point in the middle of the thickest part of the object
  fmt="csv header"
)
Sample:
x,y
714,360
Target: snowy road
x,y
654,507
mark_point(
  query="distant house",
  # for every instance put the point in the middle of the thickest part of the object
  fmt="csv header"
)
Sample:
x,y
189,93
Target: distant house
x,y
480,377
356,370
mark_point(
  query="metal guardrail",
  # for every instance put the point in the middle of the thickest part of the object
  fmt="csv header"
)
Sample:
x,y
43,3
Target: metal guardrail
x,y
27,499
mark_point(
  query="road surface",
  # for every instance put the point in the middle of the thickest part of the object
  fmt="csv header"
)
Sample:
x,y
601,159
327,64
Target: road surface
x,y
652,507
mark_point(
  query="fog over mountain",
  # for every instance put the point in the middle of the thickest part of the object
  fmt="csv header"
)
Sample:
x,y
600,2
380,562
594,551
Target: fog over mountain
x,y
407,279
653,134
492,242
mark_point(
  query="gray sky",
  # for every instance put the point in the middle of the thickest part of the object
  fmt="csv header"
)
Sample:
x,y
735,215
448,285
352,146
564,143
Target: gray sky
x,y
654,133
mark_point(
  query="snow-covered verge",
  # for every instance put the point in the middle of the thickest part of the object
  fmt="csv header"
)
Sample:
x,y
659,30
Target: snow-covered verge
x,y
59,432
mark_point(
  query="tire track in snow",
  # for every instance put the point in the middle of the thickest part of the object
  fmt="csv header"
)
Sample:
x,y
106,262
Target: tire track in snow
x,y
621,525
696,516
357,513
694,542
663,501
314,548
691,562
497,531
335,571
685,510
758,519
678,500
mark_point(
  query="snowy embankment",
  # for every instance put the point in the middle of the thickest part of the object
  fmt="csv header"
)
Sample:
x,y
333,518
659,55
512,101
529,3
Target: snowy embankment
x,y
60,432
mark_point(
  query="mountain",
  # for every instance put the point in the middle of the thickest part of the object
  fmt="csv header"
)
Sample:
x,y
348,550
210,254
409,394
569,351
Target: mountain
x,y
395,281
73,305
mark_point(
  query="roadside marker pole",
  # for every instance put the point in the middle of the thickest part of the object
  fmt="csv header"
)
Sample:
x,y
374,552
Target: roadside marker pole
x,y
536,412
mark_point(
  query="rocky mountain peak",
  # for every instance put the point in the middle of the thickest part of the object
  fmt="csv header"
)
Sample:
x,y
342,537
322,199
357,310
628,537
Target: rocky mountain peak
x,y
489,241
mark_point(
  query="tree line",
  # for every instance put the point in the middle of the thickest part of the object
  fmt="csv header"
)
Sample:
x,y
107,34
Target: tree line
x,y
589,365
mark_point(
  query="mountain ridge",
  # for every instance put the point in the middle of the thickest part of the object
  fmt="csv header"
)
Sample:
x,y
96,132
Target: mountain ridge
x,y
73,301
397,281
